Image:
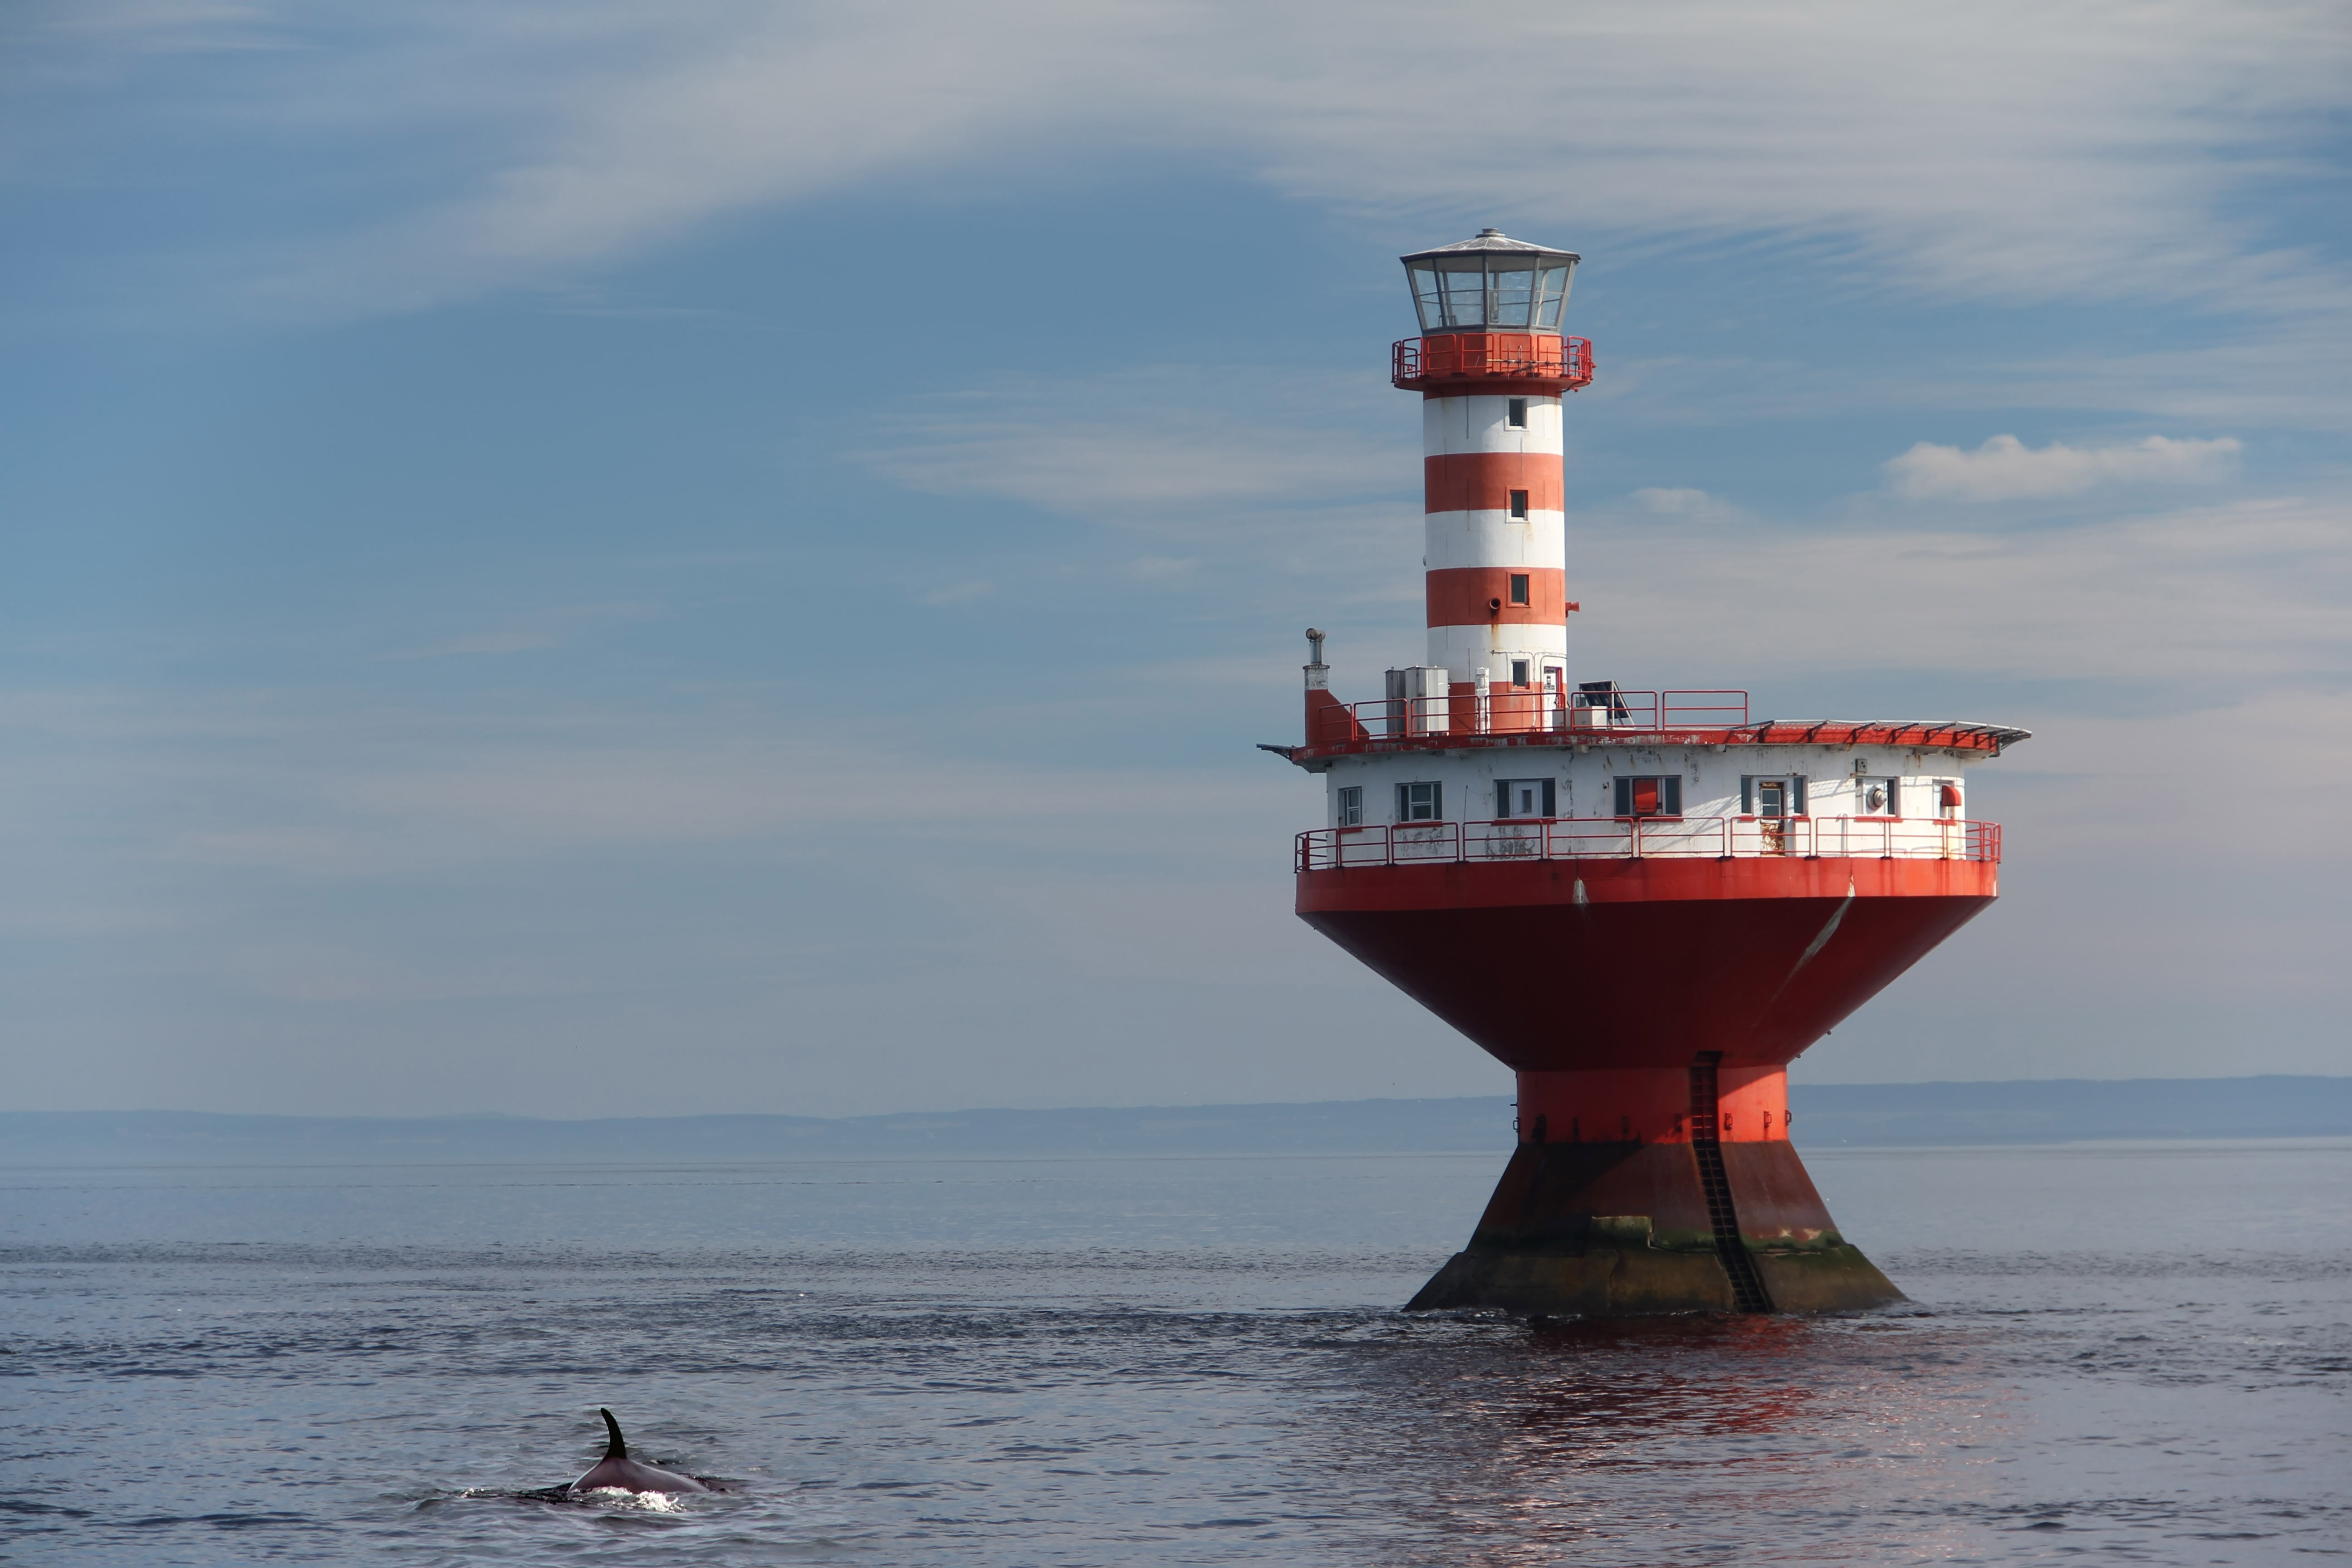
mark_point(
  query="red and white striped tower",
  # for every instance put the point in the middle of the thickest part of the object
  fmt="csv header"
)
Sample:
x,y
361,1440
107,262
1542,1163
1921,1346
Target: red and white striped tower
x,y
1492,366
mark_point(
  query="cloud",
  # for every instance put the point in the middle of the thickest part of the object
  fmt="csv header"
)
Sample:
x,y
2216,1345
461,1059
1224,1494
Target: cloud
x,y
2006,468
538,631
282,782
2228,600
1672,502
1094,468
2003,149
960,593
1183,437
481,643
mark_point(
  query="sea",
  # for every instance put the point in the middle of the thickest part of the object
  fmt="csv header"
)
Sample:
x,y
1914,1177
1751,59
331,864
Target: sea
x,y
2112,1352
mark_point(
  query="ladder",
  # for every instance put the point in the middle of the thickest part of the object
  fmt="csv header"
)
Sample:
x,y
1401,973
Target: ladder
x,y
1747,1292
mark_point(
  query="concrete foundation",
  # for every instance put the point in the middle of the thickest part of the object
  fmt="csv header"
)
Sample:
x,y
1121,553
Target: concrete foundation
x,y
1625,1229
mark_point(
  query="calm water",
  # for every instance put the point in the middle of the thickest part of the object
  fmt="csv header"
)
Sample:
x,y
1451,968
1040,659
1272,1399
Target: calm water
x,y
2134,1354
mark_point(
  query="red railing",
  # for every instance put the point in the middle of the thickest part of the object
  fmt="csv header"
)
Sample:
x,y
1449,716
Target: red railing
x,y
1515,710
1524,357
1647,837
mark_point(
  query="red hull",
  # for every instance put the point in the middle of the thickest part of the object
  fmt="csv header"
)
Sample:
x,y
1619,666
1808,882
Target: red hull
x,y
1559,966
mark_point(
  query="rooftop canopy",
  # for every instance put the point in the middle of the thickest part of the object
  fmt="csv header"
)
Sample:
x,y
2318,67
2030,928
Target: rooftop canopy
x,y
1491,282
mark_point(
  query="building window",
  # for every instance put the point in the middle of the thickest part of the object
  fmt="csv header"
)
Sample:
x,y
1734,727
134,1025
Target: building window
x,y
1524,797
1772,799
1877,797
1519,506
1516,417
1420,803
1661,796
1518,592
1351,807
1519,672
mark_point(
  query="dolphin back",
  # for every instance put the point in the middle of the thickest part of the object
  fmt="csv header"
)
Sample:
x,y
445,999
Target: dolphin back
x,y
620,1473
634,1476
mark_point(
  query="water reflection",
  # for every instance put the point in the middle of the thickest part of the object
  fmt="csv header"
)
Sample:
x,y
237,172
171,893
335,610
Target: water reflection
x,y
1695,1438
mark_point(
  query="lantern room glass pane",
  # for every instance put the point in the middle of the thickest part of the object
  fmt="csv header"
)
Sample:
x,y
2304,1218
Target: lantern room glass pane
x,y
1425,298
1466,292
1553,295
1515,288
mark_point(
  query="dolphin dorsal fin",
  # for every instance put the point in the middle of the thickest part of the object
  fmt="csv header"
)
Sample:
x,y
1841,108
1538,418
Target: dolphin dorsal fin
x,y
618,1448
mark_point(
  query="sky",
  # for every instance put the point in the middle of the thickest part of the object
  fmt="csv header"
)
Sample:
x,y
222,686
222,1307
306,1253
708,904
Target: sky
x,y
590,559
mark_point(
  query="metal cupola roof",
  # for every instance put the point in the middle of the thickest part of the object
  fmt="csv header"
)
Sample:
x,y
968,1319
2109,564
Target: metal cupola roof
x,y
1488,282
1492,239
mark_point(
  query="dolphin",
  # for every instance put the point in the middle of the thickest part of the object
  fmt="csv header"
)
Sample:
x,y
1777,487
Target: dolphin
x,y
617,1469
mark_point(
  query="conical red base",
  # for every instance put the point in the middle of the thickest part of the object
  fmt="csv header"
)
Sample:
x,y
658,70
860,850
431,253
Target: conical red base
x,y
1649,1006
1712,1212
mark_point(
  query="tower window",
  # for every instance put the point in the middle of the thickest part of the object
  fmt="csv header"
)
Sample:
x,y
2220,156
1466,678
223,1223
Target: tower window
x,y
1517,416
1421,802
1519,506
1519,596
1656,796
1519,672
1351,807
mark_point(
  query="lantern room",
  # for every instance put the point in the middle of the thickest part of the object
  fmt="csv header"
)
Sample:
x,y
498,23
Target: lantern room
x,y
1489,283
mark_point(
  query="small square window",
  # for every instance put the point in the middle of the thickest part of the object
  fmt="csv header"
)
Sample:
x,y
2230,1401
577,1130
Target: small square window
x,y
1516,417
1660,796
1421,802
1519,506
1772,799
1519,672
1519,596
1877,797
1524,797
1351,807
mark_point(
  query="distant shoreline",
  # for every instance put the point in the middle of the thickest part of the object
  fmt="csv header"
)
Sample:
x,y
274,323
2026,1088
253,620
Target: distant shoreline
x,y
1827,1116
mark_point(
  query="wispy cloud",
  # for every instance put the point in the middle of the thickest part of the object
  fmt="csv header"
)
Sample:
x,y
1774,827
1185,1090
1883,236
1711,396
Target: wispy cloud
x,y
279,781
531,633
1678,501
2227,600
2001,149
1142,442
960,593
480,643
2006,468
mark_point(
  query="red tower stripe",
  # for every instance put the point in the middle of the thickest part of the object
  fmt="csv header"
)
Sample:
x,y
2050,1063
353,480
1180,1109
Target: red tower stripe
x,y
1483,481
1469,596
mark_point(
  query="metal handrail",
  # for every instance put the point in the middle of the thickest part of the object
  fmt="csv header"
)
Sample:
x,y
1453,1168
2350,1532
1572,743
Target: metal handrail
x,y
1519,710
1503,355
1649,837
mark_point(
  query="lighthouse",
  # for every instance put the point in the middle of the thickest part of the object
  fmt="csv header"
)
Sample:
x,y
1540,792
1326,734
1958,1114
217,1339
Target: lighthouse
x,y
1645,902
